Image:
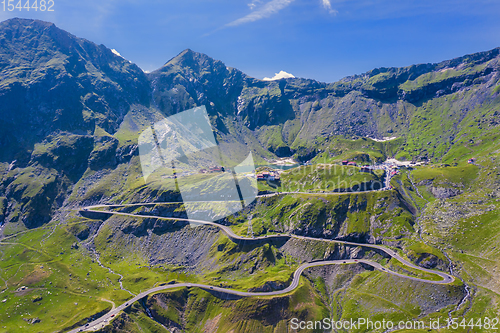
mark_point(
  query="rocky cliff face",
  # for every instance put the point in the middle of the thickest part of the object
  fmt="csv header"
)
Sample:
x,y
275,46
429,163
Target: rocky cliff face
x,y
288,116
70,115
55,89
53,81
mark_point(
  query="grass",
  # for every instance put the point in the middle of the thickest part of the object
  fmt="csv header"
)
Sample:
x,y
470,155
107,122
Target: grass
x,y
460,176
271,137
380,214
55,254
348,213
392,297
403,183
323,178
303,302
447,129
417,248
201,310
363,150
55,274
434,77
396,266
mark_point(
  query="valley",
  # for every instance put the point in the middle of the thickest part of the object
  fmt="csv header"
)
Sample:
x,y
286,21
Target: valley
x,y
347,232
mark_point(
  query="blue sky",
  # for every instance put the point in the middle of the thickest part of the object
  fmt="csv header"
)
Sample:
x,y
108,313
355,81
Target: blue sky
x,y
318,39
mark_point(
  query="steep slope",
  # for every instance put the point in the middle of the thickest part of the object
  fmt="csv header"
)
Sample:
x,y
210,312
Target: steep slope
x,y
55,89
192,79
53,81
429,106
70,116
72,112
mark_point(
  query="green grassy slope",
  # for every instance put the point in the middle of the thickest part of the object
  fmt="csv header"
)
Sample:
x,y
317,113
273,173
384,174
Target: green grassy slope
x,y
80,148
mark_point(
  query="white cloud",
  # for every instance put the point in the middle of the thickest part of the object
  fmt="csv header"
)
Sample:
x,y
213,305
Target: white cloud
x,y
270,8
280,75
116,52
328,6
254,4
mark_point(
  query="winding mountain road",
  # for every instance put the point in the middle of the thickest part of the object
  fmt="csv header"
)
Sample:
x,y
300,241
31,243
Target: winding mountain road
x,y
103,320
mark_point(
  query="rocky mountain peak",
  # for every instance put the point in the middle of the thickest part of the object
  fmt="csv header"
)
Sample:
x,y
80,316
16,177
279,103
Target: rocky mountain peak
x,y
51,80
195,65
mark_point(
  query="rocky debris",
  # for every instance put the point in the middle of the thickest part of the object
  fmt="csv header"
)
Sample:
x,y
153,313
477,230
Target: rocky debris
x,y
37,298
309,250
32,321
100,89
428,297
356,252
425,182
445,214
429,261
177,244
335,276
125,153
104,153
140,226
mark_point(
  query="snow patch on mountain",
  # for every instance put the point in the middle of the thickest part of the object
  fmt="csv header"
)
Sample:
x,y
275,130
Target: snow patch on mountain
x,y
116,52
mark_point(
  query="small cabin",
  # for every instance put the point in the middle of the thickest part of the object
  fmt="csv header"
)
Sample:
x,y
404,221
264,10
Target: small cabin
x,y
345,162
217,169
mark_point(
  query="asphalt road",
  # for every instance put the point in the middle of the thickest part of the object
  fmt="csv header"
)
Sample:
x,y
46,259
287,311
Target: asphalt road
x,y
229,232
295,283
446,278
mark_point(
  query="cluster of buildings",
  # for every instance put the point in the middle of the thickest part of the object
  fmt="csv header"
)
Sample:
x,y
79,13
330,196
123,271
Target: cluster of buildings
x,y
366,169
213,169
268,175
393,172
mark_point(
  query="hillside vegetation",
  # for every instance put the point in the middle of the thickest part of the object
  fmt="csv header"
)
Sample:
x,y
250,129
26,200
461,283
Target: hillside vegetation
x,y
70,118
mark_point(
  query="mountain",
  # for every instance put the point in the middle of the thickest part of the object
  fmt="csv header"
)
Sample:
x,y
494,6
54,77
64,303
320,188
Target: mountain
x,y
96,87
71,113
55,90
288,116
53,81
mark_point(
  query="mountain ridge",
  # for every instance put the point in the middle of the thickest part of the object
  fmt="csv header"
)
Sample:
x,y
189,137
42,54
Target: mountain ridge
x,y
59,76
64,90
71,112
